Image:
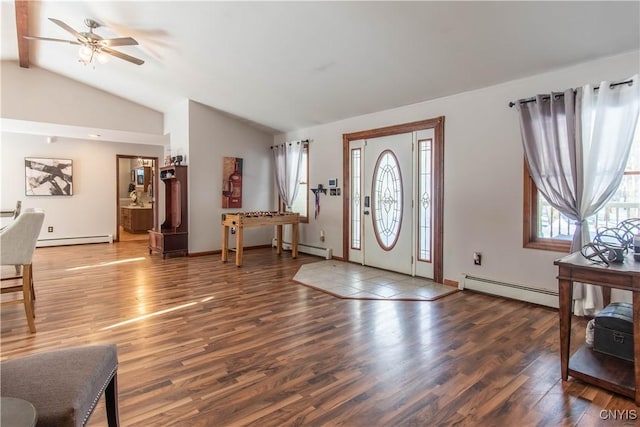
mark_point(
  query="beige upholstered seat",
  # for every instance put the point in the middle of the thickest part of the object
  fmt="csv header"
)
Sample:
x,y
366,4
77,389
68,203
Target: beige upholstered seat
x,y
17,245
65,385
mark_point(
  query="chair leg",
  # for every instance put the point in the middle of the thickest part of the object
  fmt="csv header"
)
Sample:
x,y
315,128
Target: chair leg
x,y
111,402
27,298
33,291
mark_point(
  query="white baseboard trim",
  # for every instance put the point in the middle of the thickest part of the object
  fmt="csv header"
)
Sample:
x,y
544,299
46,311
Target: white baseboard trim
x,y
65,241
326,253
538,296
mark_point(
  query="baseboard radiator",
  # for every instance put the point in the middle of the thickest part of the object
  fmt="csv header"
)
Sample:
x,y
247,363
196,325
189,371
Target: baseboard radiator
x,y
65,241
326,253
511,290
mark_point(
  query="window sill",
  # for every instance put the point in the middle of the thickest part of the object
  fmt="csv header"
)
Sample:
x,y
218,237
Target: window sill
x,y
549,245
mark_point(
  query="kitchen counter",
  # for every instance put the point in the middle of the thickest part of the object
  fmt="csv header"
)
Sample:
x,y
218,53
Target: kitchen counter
x,y
136,219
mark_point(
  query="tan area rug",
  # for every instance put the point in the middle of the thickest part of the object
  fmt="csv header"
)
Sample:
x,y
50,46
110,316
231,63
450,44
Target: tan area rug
x,y
353,281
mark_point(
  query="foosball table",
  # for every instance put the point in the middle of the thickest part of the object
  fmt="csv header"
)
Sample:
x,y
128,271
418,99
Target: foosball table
x,y
242,220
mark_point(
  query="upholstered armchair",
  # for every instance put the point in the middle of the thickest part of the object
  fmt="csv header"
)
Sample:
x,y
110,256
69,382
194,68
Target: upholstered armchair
x,y
17,245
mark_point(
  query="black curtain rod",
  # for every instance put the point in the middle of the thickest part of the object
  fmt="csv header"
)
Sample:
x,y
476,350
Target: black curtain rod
x,y
303,141
533,98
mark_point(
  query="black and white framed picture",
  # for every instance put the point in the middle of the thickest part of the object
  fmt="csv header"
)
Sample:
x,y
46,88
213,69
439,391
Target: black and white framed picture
x,y
48,177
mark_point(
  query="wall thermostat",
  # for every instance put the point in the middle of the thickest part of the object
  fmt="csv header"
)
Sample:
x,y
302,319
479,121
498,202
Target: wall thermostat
x,y
333,183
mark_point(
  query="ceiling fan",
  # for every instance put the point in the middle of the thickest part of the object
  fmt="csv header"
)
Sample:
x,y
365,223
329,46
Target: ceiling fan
x,y
92,45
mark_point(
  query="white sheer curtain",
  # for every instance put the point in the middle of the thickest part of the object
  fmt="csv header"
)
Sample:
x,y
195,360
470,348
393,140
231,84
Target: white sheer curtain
x,y
287,159
576,151
609,120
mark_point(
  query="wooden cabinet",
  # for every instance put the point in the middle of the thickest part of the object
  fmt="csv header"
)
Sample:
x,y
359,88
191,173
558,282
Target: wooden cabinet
x,y
136,219
172,236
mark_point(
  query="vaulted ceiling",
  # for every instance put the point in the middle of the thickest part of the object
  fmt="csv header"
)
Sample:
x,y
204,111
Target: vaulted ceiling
x,y
290,65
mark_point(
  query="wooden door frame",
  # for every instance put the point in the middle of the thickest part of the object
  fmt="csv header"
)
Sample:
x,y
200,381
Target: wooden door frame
x,y
155,189
437,124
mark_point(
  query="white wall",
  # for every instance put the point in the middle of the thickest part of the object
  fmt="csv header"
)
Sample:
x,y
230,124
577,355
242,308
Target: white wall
x,y
483,172
203,135
92,209
37,95
212,136
176,125
45,100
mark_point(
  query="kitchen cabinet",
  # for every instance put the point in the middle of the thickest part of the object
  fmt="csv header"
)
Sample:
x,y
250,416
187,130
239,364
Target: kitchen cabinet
x,y
136,219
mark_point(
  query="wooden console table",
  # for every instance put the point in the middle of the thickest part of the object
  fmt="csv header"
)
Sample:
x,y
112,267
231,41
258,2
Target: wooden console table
x,y
610,373
241,220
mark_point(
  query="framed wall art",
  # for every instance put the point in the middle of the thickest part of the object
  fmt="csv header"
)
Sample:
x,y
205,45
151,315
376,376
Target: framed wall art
x,y
48,177
231,182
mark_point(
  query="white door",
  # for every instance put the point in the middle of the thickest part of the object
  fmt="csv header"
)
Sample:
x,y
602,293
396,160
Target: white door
x,y
387,213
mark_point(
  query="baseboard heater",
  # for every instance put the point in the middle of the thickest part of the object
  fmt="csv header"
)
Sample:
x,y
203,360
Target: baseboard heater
x,y
511,290
326,253
64,241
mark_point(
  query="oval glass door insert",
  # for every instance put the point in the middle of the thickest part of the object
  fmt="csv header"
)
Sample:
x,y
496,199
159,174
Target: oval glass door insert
x,y
387,200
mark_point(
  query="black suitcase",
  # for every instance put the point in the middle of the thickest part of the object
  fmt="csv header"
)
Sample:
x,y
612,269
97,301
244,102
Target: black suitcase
x,y
613,333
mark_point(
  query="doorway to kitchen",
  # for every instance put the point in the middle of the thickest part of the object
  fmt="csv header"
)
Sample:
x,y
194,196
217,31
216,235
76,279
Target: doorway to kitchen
x,y
136,186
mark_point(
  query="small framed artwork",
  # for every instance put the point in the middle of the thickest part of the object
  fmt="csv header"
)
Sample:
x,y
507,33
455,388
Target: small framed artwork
x,y
232,182
48,177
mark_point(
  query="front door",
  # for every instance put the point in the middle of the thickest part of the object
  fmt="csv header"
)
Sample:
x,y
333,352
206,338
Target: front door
x,y
388,193
395,201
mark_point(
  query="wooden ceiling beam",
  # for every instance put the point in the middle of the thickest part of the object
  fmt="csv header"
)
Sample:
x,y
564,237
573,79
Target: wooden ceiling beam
x,y
22,25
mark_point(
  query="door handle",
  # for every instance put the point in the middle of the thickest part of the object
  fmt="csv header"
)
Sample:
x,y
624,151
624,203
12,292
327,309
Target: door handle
x,y
366,212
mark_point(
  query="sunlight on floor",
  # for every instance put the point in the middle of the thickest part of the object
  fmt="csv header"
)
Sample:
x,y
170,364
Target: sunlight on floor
x,y
155,313
106,264
353,281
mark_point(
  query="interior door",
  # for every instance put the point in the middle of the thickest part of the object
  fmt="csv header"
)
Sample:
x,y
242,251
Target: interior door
x,y
387,202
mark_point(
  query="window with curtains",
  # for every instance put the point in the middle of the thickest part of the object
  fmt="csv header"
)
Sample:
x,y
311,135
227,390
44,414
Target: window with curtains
x,y
546,228
301,202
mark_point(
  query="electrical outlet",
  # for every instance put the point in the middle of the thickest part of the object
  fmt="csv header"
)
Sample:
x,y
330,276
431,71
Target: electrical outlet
x,y
50,229
477,258
233,230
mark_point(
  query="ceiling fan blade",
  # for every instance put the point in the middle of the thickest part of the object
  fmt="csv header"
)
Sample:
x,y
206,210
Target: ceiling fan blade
x,y
68,28
122,56
51,40
119,41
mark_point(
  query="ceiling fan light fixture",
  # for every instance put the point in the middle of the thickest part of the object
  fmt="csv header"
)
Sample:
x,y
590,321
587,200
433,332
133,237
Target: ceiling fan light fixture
x,y
103,58
92,45
85,53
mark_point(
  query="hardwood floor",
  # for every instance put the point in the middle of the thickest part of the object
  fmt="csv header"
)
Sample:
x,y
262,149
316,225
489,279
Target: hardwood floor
x,y
202,343
125,236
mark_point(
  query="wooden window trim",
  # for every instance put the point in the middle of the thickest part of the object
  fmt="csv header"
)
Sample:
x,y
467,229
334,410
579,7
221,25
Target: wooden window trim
x,y
530,237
